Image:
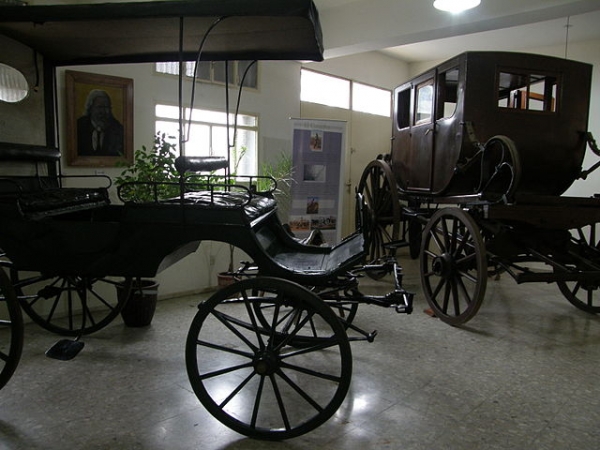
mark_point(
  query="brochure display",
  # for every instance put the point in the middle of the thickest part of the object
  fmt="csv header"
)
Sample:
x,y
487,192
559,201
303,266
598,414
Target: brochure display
x,y
318,152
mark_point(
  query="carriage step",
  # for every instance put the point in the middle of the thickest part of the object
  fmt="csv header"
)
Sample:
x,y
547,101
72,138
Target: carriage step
x,y
65,349
369,337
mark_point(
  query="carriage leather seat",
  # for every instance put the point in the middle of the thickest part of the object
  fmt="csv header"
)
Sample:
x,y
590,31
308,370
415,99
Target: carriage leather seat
x,y
254,206
307,260
40,195
46,203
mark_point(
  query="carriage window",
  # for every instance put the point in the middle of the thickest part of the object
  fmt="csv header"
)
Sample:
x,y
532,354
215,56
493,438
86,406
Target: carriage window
x,y
403,108
424,103
448,93
525,91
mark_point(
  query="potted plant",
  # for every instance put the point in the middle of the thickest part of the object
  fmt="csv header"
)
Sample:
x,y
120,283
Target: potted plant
x,y
151,177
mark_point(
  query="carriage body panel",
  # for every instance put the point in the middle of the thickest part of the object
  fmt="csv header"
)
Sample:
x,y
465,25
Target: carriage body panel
x,y
443,117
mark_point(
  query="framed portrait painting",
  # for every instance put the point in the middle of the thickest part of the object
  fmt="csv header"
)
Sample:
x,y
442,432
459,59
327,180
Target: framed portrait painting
x,y
99,119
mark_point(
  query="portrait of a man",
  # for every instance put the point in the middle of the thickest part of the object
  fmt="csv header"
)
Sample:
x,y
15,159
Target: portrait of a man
x,y
99,123
99,133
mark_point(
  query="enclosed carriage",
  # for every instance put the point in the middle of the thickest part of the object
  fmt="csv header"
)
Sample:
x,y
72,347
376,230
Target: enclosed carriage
x,y
483,147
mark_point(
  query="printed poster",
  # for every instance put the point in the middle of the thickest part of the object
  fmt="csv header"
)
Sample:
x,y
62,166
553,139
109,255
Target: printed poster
x,y
318,151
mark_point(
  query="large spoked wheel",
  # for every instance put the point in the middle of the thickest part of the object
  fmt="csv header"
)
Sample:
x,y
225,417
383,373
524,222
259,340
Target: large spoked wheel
x,y
338,300
453,266
500,169
584,295
382,212
71,305
11,330
269,382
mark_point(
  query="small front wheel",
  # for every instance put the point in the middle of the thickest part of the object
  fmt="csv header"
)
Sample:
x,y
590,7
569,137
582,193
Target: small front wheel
x,y
271,377
453,266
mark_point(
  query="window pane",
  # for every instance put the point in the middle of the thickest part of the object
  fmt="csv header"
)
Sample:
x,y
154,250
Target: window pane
x,y
219,72
199,141
247,164
448,93
424,103
172,68
534,92
403,108
219,141
208,135
324,89
371,100
251,79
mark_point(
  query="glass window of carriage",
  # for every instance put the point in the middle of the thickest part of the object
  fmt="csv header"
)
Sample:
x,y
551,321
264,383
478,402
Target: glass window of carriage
x,y
423,103
13,84
527,91
403,108
447,93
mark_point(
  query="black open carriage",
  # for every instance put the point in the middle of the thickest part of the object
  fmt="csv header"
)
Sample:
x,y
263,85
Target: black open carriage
x,y
268,356
483,147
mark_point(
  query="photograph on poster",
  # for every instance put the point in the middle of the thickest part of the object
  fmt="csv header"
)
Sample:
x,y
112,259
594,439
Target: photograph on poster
x,y
314,172
323,223
312,205
316,140
299,223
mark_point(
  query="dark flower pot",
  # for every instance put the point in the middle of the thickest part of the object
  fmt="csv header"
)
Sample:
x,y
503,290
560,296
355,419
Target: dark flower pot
x,y
141,304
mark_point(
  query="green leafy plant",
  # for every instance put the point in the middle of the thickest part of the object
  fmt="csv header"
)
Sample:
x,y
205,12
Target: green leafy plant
x,y
152,176
281,170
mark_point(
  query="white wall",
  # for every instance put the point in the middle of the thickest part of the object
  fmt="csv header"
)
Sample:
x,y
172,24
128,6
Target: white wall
x,y
276,101
372,68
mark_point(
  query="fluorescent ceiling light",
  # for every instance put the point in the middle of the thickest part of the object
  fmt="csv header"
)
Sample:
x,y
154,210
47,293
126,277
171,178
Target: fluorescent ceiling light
x,y
455,6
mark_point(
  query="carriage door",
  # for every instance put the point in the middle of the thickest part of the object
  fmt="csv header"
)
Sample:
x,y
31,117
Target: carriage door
x,y
422,132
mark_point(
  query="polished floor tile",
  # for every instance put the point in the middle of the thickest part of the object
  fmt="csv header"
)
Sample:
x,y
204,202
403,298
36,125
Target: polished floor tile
x,y
523,374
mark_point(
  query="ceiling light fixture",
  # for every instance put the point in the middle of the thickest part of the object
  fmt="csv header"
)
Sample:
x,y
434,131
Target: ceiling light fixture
x,y
455,6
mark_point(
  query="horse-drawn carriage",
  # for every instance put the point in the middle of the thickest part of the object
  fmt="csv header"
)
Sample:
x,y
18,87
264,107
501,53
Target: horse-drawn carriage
x,y
268,356
483,147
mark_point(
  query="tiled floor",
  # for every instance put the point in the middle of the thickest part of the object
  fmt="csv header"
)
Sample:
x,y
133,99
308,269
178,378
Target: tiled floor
x,y
523,374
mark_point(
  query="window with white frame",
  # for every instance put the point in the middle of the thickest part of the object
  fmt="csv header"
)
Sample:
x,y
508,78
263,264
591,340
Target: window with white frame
x,y
206,135
324,89
239,72
370,99
343,93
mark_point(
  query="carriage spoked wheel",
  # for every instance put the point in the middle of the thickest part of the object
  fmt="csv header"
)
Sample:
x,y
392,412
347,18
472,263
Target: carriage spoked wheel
x,y
11,330
336,298
453,265
70,305
500,169
381,213
273,381
584,295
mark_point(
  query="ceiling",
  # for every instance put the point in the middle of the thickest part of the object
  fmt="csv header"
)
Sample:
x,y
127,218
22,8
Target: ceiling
x,y
412,30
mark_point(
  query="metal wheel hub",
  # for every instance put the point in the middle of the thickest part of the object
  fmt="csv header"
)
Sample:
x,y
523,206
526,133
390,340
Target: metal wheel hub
x,y
443,265
266,363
